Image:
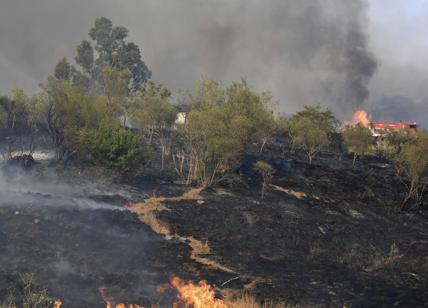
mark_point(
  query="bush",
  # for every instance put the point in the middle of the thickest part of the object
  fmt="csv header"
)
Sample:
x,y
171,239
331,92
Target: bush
x,y
267,172
311,129
115,148
412,167
221,125
358,140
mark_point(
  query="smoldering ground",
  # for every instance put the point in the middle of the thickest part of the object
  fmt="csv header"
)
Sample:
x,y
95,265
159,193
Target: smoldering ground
x,y
72,243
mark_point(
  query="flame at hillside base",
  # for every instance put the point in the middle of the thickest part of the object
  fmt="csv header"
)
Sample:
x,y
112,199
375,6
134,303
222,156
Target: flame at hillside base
x,y
102,291
199,295
361,117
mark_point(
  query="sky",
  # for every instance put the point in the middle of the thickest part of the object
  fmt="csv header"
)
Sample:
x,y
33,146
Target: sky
x,y
397,32
299,50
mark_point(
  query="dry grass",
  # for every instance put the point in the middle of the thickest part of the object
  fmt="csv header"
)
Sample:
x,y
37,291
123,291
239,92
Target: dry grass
x,y
314,251
222,192
296,194
249,218
248,301
200,252
355,259
145,210
387,261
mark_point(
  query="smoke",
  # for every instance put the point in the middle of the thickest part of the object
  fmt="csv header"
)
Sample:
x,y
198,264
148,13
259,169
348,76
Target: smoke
x,y
305,52
45,187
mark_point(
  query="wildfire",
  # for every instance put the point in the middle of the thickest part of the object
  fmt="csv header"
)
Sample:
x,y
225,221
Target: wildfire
x,y
361,116
102,290
57,303
199,295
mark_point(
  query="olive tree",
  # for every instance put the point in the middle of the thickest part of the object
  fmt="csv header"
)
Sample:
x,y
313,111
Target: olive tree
x,y
358,140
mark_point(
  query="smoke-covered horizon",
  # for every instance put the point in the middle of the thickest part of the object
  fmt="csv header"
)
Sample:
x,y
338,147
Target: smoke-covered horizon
x,y
304,52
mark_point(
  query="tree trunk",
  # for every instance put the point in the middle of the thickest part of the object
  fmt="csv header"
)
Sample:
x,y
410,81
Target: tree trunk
x,y
354,159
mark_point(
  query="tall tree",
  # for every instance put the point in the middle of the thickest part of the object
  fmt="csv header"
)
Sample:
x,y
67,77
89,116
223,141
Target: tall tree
x,y
63,70
111,50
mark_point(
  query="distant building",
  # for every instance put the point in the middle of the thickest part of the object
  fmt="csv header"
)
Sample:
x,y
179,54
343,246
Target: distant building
x,y
180,118
382,129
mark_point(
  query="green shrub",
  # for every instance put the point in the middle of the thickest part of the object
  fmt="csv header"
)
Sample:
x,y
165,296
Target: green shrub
x,y
116,148
311,128
358,140
267,172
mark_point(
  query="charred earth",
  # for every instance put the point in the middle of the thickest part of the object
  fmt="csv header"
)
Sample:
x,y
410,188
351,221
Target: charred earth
x,y
324,235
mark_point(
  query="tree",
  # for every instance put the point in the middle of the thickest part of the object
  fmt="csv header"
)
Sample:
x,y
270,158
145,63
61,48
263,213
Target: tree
x,y
358,140
66,111
267,172
249,113
221,125
284,128
63,70
412,162
14,119
311,129
111,50
85,57
114,87
151,111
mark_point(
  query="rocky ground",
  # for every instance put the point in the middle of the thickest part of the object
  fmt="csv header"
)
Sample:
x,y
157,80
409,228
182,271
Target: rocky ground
x,y
325,235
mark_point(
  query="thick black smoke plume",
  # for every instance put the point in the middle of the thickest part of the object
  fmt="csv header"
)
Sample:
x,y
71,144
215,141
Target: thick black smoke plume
x,y
305,52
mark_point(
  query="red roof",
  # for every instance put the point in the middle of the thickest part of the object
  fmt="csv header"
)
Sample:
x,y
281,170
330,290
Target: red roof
x,y
397,125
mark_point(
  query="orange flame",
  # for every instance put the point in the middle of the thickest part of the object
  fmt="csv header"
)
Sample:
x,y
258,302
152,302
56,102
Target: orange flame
x,y
360,116
196,296
57,303
102,291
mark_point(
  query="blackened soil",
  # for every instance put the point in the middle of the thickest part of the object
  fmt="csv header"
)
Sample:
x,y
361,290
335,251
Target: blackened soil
x,y
342,243
72,244
333,238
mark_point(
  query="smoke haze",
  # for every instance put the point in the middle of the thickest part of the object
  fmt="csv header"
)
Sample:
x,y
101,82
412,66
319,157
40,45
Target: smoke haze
x,y
305,51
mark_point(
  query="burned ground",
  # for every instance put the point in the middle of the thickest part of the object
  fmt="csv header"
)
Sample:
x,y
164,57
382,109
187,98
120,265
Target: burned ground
x,y
325,235
82,239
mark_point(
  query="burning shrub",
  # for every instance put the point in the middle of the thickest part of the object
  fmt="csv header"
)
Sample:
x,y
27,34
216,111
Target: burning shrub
x,y
116,148
358,140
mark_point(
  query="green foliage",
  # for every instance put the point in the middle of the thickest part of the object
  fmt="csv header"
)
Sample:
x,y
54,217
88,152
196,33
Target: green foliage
x,y
358,140
64,115
115,148
266,171
108,49
33,297
29,295
412,164
392,145
114,84
311,129
113,51
85,57
153,109
221,125
14,109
